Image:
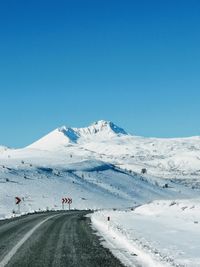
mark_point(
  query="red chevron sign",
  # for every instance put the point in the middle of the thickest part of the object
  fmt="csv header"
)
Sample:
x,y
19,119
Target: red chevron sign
x,y
66,200
69,200
17,200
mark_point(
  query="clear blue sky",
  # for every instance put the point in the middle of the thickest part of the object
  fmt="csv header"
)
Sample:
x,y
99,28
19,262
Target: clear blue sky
x,y
73,62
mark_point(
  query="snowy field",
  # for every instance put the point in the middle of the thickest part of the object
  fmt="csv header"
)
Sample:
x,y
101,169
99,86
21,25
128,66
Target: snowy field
x,y
41,181
84,164
162,233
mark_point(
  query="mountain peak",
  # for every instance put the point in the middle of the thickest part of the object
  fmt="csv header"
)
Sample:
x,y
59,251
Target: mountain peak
x,y
64,135
107,125
99,128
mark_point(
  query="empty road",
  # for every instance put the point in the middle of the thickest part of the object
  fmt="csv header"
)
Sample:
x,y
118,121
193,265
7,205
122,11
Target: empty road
x,y
52,239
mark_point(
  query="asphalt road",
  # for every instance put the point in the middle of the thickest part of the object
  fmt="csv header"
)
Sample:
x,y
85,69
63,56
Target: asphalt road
x,y
52,239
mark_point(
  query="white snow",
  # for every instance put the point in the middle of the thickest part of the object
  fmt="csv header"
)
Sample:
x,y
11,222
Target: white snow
x,y
166,158
99,167
166,233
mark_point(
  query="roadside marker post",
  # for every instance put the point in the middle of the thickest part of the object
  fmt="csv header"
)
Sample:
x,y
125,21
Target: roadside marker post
x,y
108,220
69,202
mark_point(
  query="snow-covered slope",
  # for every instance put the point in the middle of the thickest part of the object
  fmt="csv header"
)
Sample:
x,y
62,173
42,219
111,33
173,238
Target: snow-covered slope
x,y
99,167
162,157
3,148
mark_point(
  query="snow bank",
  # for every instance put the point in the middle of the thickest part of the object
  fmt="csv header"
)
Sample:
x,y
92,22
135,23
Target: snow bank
x,y
165,233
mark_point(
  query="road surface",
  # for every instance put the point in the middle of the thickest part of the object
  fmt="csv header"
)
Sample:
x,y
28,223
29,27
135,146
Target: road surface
x,y
52,239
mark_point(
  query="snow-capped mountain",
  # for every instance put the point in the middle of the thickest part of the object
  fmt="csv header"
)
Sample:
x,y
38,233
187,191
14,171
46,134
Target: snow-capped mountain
x,y
176,157
98,166
101,130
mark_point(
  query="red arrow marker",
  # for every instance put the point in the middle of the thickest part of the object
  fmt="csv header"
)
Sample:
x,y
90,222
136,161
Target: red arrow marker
x,y
63,200
17,200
